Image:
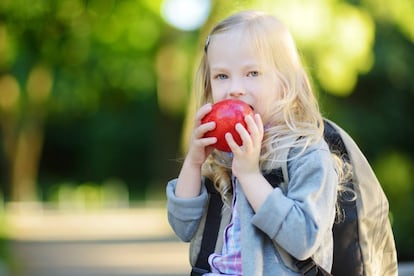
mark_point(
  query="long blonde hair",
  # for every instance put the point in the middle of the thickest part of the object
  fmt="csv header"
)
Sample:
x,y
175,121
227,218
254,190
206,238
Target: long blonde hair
x,y
294,120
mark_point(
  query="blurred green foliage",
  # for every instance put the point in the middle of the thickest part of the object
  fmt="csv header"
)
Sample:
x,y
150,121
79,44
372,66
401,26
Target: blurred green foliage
x,y
97,91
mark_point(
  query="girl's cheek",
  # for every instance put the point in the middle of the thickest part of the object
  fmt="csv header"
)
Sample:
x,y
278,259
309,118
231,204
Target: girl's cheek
x,y
218,93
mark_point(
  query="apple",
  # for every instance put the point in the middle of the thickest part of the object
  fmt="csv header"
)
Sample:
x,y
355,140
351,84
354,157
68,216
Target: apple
x,y
227,113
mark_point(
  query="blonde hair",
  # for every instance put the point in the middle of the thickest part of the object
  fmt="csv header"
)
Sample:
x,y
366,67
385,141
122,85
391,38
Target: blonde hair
x,y
294,120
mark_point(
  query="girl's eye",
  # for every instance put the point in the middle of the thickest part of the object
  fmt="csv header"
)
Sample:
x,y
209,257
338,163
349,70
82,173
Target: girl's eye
x,y
253,74
221,76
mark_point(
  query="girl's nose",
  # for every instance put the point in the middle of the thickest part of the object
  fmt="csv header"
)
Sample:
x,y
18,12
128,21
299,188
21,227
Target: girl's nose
x,y
236,90
236,93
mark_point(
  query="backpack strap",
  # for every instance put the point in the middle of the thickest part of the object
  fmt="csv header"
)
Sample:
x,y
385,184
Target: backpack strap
x,y
346,232
210,233
308,267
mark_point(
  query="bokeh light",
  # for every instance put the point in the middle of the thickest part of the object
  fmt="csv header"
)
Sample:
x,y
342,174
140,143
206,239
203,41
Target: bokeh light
x,y
186,15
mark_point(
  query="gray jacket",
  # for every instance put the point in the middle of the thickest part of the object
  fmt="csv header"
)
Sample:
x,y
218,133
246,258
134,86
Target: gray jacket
x,y
298,218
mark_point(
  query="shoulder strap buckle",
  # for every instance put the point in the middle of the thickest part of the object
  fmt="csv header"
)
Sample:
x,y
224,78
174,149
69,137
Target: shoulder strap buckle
x,y
308,267
196,271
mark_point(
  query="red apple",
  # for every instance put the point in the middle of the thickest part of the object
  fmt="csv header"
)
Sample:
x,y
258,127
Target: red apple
x,y
227,114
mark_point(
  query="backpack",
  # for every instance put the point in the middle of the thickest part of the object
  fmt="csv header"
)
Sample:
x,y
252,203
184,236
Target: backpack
x,y
363,239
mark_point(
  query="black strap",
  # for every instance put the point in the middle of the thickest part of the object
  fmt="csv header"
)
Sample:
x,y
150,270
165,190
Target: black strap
x,y
210,232
275,177
347,259
334,140
308,267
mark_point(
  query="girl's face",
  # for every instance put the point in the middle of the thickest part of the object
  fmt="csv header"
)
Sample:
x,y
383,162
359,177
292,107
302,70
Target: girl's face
x,y
236,71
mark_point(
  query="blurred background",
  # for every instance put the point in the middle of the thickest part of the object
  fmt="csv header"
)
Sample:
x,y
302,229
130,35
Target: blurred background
x,y
93,102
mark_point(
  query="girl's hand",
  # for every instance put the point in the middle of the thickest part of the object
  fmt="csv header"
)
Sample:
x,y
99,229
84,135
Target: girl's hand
x,y
246,157
189,179
246,161
200,147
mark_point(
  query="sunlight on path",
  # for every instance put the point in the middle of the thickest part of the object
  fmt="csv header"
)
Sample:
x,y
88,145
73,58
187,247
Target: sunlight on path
x,y
135,241
37,223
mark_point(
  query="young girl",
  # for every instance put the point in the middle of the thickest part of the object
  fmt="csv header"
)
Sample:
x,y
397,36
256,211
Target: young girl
x,y
251,56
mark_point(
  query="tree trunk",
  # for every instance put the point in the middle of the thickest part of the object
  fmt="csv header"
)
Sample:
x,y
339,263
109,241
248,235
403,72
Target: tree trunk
x,y
22,126
25,163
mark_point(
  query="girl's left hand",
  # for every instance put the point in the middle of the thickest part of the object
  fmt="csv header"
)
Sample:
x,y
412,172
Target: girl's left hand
x,y
246,157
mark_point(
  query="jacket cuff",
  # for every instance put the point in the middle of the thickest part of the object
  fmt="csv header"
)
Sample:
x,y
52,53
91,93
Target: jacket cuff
x,y
185,208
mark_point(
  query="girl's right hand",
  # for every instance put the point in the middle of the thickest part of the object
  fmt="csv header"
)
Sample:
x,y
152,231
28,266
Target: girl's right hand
x,y
200,147
188,183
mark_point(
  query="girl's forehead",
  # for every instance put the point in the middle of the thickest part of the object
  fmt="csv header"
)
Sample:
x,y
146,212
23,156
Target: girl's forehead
x,y
231,39
234,42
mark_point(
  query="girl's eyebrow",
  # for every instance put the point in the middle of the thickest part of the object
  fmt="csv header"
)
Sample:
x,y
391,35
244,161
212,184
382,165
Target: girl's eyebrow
x,y
218,68
251,64
247,65
252,67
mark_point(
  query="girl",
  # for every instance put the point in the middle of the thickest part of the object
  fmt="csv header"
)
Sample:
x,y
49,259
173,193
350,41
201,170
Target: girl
x,y
251,56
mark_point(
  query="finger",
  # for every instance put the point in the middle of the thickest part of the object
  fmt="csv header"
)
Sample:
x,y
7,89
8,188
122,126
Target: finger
x,y
202,112
251,125
253,130
259,126
205,142
201,130
231,142
244,135
259,122
204,128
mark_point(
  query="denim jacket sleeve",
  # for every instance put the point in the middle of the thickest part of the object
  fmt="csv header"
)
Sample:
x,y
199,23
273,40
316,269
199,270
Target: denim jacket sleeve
x,y
300,219
184,214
